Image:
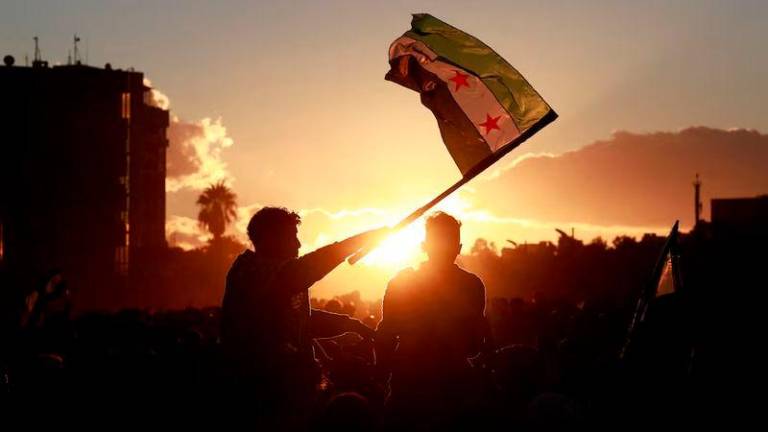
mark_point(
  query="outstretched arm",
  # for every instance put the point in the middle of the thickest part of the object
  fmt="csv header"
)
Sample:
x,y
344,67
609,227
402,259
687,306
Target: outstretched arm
x,y
299,274
324,324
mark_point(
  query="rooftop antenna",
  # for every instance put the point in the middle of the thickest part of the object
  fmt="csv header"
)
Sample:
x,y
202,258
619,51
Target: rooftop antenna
x,y
697,200
37,57
38,60
77,52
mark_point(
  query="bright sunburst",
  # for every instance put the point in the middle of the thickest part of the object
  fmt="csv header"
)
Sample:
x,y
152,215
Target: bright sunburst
x,y
404,247
400,249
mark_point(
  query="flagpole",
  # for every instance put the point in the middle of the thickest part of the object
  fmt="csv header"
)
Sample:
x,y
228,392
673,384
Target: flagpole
x,y
412,217
469,175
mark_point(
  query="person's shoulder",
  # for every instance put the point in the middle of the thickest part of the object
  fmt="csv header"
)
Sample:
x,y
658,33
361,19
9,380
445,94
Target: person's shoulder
x,y
472,288
470,278
245,258
404,275
242,263
402,279
473,285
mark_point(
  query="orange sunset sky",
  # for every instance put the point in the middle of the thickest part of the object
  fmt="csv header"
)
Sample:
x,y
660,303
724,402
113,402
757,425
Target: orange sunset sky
x,y
286,102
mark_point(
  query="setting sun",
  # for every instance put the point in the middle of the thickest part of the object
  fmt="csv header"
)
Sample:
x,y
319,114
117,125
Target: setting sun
x,y
401,249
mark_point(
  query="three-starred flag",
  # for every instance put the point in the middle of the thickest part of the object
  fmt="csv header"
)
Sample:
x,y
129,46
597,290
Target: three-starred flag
x,y
484,107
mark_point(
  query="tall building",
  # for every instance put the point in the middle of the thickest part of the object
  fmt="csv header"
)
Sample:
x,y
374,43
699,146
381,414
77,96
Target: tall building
x,y
82,177
745,218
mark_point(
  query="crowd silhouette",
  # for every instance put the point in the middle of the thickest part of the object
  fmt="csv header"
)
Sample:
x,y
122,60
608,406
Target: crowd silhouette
x,y
446,349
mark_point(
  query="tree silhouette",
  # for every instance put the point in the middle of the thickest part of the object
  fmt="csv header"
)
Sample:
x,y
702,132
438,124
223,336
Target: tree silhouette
x,y
217,209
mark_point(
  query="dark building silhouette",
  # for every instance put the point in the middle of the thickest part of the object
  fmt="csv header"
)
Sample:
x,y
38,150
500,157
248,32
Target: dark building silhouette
x,y
740,217
82,177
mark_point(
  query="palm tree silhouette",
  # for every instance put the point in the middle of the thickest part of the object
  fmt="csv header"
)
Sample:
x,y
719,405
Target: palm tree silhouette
x,y
217,209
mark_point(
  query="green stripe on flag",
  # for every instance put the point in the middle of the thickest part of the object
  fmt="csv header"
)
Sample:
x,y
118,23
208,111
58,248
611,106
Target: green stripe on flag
x,y
511,89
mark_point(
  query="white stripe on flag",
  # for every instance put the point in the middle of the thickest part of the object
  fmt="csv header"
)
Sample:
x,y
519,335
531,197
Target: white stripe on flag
x,y
474,98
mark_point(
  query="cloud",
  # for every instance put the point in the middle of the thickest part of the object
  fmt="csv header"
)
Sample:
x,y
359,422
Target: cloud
x,y
497,171
344,213
631,179
194,159
240,228
185,232
156,97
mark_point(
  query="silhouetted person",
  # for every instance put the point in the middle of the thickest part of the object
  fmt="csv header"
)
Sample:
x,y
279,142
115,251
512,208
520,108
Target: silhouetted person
x,y
267,322
433,322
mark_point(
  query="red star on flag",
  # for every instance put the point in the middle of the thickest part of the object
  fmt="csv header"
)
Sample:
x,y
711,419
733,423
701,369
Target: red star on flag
x,y
490,123
460,79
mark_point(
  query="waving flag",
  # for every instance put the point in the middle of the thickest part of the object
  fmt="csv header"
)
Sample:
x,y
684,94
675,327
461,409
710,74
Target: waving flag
x,y
483,106
665,280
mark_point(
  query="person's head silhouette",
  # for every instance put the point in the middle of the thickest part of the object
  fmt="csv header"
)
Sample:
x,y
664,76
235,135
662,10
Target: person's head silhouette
x,y
443,239
274,233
